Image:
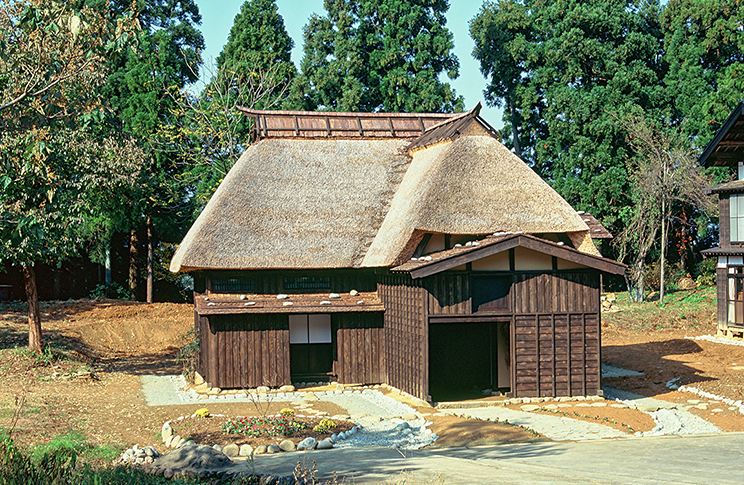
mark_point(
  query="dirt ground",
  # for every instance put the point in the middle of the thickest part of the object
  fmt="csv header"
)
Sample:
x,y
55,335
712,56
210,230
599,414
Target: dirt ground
x,y
99,350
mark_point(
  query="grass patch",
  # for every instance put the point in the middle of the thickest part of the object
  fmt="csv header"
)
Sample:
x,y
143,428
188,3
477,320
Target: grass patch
x,y
682,309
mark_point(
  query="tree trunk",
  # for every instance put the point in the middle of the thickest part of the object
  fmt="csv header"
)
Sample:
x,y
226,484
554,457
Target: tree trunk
x,y
57,283
515,135
107,265
133,264
34,317
149,259
663,250
635,288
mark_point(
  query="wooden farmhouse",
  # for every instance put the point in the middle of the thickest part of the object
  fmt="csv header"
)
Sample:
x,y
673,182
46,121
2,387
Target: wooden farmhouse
x,y
408,249
726,149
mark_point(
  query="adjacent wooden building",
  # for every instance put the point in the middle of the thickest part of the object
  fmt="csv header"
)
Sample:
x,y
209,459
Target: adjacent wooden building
x,y
408,249
726,149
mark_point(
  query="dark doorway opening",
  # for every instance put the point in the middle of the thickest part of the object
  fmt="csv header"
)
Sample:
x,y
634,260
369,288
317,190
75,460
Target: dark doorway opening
x,y
310,347
466,359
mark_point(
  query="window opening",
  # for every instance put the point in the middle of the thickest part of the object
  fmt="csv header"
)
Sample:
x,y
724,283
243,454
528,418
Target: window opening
x,y
307,283
736,212
232,284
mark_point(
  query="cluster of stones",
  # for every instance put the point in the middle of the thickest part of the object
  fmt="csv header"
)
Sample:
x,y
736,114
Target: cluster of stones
x,y
714,406
169,439
138,456
608,303
714,399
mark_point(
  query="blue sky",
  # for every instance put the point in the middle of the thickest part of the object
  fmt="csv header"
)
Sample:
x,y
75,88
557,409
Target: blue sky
x,y
218,16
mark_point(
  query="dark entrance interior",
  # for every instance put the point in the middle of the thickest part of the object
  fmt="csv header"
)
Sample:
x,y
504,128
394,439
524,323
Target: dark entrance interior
x,y
310,347
467,358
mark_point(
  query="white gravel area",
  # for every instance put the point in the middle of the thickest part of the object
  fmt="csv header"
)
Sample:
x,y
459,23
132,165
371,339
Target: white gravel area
x,y
679,422
390,433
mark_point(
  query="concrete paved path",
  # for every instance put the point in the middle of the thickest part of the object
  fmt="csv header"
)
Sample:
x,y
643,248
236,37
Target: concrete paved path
x,y
678,460
557,428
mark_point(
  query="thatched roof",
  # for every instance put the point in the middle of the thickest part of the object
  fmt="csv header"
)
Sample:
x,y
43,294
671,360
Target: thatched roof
x,y
296,204
341,202
473,185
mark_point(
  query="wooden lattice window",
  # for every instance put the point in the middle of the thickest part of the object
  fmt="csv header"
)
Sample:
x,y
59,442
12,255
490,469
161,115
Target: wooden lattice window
x,y
307,283
232,285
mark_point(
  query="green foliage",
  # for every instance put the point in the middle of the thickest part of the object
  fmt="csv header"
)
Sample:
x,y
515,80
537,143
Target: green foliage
x,y
258,42
378,55
263,426
109,290
557,67
703,43
706,272
287,413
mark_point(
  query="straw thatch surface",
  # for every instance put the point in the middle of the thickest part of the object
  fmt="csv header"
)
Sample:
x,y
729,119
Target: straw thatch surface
x,y
472,185
296,204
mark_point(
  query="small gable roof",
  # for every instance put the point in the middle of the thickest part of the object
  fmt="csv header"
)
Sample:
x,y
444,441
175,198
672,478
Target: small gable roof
x,y
497,243
726,148
735,186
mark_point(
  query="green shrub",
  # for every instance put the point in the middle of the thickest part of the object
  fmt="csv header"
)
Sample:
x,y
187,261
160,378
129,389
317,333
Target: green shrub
x,y
706,271
324,426
202,413
188,354
287,413
110,290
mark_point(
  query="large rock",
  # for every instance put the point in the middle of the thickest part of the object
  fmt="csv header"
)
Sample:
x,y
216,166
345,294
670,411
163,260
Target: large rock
x,y
273,449
262,389
287,445
308,443
686,284
326,444
166,432
193,460
175,441
231,451
287,388
245,450
260,450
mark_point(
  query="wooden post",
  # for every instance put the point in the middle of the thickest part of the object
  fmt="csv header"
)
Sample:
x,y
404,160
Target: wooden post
x,y
34,317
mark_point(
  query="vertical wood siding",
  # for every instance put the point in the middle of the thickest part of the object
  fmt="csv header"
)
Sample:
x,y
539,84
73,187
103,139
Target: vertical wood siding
x,y
448,294
238,351
724,221
722,297
359,347
406,349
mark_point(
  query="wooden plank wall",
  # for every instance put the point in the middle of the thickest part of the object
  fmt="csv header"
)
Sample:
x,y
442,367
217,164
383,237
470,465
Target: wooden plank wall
x,y
556,334
556,293
240,351
448,294
359,347
406,352
724,221
556,355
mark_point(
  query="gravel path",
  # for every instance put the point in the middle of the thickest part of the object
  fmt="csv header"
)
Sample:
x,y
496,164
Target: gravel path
x,y
669,418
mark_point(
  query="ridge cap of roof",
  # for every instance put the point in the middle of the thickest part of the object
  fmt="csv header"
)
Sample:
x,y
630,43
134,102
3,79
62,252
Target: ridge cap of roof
x,y
342,114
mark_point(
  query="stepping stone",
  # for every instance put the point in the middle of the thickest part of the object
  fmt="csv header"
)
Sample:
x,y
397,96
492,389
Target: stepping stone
x,y
530,407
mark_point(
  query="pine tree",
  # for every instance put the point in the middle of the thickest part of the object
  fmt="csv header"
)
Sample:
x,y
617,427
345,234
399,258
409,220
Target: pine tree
x,y
258,42
378,55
